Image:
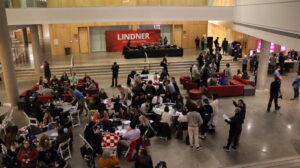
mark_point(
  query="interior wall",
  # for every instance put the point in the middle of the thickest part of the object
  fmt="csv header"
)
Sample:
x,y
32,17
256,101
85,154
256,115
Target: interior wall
x,y
97,36
66,35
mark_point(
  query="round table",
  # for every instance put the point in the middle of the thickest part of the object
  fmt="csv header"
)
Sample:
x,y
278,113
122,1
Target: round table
x,y
159,109
65,106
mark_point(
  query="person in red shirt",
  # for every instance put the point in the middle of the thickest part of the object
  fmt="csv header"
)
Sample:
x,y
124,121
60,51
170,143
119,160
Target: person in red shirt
x,y
28,155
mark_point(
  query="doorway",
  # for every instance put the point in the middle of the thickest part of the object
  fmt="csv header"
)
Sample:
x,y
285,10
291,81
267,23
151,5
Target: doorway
x,y
177,36
83,39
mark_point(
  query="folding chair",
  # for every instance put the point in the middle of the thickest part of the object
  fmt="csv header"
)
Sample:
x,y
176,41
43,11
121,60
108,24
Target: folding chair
x,y
75,117
64,150
89,158
33,121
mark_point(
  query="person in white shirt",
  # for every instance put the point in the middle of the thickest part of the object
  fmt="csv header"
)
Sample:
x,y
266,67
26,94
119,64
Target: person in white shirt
x,y
157,99
182,119
166,117
215,105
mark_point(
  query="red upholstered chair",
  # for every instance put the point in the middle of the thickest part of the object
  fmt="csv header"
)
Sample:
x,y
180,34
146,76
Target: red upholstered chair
x,y
219,73
80,81
182,79
45,99
134,148
192,85
195,93
185,84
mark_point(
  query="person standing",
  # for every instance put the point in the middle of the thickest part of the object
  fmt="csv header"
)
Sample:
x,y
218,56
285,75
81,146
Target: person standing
x,y
216,42
218,60
275,93
227,74
206,114
200,60
115,72
164,63
79,98
273,63
224,46
245,63
235,129
165,40
277,73
296,85
202,42
197,42
194,121
47,72
281,60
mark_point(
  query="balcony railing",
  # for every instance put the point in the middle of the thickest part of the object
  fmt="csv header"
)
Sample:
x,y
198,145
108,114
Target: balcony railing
x,y
91,3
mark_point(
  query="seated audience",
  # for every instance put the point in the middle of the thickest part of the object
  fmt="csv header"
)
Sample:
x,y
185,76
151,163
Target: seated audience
x,y
28,155
64,78
108,160
131,135
145,71
47,154
102,94
74,79
166,117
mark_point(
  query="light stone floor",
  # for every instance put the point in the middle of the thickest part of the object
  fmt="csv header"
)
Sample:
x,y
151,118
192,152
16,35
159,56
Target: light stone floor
x,y
265,136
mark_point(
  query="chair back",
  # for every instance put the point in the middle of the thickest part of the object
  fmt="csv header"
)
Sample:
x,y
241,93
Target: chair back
x,y
86,143
64,150
33,121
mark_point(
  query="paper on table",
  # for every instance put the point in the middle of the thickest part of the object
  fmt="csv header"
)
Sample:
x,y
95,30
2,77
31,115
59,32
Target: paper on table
x,y
226,117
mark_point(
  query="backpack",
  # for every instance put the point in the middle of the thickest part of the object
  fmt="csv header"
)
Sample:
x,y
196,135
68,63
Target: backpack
x,y
161,164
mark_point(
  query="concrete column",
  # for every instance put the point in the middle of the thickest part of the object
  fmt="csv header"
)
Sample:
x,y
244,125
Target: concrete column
x,y
36,49
25,37
262,71
210,2
8,69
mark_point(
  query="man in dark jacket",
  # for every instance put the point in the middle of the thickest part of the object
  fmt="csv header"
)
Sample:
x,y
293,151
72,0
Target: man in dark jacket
x,y
235,130
275,93
224,46
115,72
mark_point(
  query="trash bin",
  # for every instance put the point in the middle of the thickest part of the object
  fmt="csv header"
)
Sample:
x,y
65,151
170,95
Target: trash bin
x,y
68,51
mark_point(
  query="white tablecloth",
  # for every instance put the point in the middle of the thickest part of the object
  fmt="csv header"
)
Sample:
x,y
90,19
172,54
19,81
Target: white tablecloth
x,y
159,109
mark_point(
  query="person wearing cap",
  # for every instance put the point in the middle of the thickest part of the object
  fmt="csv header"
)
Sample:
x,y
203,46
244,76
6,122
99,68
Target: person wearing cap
x,y
235,130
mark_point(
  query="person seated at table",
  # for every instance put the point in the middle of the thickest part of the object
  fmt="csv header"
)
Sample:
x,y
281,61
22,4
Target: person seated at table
x,y
94,103
74,79
86,78
28,155
47,119
40,81
139,100
95,116
122,113
137,90
91,135
90,85
222,81
157,99
108,160
47,154
130,77
134,115
163,74
143,159
166,117
144,125
212,81
64,78
145,71
46,91
110,140
179,104
131,135
161,90
10,138
150,89
137,80
125,93
54,82
146,109
103,116
102,94
155,79
37,112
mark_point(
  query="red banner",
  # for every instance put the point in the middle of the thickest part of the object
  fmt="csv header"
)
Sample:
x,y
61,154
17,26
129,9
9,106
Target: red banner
x,y
116,40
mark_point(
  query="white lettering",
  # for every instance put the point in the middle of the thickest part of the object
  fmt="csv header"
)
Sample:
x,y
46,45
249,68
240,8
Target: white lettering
x,y
133,36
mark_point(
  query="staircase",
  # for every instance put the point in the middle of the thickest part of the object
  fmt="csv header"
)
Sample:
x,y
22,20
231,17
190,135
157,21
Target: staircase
x,y
287,162
105,70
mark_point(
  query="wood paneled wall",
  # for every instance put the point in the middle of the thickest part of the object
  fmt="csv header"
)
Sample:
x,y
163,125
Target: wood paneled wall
x,y
66,35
